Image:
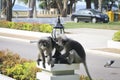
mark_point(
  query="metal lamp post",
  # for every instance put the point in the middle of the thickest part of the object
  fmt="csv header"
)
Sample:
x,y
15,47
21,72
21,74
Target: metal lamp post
x,y
57,29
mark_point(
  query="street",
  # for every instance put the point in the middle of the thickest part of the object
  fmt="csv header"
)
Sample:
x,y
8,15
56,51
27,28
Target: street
x,y
25,50
95,62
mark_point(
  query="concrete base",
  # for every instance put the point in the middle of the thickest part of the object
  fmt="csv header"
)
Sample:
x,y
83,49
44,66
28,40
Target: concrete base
x,y
113,44
59,67
48,76
58,72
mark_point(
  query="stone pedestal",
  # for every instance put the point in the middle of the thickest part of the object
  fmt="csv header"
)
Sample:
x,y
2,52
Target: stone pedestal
x,y
58,72
113,44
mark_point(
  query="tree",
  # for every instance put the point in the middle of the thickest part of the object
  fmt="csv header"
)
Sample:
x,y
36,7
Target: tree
x,y
7,9
32,4
4,8
70,6
62,7
65,8
88,4
96,4
106,4
100,5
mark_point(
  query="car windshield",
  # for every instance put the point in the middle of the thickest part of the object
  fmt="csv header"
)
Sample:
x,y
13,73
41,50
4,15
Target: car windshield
x,y
95,11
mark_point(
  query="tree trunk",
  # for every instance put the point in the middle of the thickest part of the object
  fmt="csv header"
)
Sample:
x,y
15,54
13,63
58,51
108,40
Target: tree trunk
x,y
60,6
46,4
13,3
88,4
31,5
4,4
9,10
100,5
74,9
0,5
70,6
96,4
64,11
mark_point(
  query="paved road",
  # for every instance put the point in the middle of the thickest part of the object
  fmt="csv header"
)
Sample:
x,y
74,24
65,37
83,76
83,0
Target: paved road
x,y
89,38
25,50
95,61
98,71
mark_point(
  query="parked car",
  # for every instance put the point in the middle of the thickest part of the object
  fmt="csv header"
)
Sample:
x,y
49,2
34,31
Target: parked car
x,y
89,15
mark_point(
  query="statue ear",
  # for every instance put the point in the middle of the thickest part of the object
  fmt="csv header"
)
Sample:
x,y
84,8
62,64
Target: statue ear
x,y
64,41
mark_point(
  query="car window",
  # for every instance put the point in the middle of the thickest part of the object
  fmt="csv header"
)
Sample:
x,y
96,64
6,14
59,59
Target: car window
x,y
86,12
80,12
95,11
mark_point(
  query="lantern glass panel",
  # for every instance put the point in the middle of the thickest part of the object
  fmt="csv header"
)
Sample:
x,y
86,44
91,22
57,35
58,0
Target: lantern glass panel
x,y
57,32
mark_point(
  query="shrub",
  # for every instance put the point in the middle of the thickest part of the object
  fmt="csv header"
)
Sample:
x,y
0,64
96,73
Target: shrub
x,y
116,36
45,28
18,25
15,66
25,71
27,26
36,26
3,23
83,77
11,24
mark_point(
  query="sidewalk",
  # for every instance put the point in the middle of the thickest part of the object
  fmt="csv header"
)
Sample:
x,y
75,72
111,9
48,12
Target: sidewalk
x,y
3,77
21,35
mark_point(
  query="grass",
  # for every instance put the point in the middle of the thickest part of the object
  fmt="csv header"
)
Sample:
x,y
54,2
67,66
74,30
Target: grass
x,y
110,25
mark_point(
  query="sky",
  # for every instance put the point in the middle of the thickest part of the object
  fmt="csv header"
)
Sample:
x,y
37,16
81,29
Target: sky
x,y
21,3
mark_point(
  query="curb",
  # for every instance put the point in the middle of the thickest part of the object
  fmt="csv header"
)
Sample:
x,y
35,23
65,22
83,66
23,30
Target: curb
x,y
24,33
18,39
3,77
102,53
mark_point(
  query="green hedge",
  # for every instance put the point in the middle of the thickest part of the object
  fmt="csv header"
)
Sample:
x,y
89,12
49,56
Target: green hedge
x,y
116,36
14,66
27,26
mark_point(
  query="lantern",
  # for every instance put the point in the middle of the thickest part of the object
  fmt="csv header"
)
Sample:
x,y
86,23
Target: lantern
x,y
57,29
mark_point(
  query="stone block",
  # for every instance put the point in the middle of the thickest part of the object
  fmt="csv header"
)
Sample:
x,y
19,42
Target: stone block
x,y
58,72
113,44
59,67
49,76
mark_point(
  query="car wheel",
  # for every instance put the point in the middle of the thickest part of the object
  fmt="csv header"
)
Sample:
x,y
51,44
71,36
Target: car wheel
x,y
75,19
94,20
